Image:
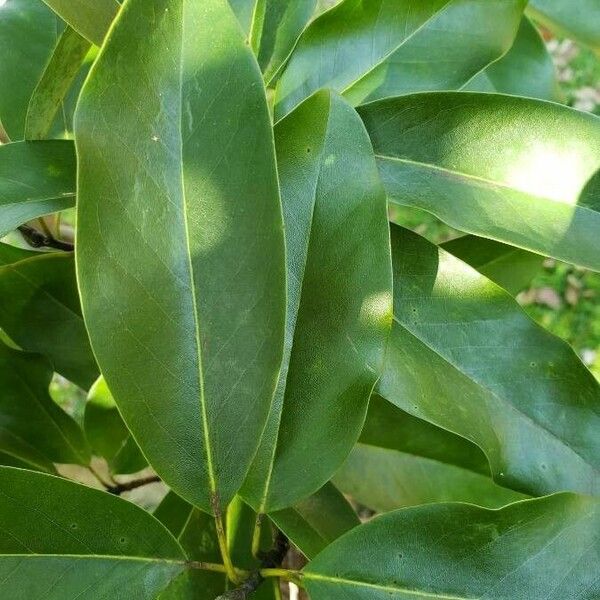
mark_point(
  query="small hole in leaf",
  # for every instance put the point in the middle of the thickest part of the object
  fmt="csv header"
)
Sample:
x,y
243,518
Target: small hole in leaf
x,y
73,526
533,364
122,540
308,150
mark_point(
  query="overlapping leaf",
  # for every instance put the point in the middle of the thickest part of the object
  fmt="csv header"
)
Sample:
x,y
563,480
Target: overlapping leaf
x,y
527,69
339,300
580,22
90,18
40,311
107,434
381,48
546,548
177,161
272,27
464,356
512,169
64,540
36,178
34,429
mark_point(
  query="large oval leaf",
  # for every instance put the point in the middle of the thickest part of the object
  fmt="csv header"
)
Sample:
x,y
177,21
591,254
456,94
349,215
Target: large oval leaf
x,y
502,167
28,33
40,311
544,549
36,178
581,22
34,429
527,69
381,48
339,300
180,234
464,356
64,540
272,27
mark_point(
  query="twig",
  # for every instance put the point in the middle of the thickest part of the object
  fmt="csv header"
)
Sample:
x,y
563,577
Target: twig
x,y
37,239
118,489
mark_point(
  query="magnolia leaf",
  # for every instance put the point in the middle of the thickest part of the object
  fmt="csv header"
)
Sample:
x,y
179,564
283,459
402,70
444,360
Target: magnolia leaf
x,y
464,356
29,31
580,22
35,430
90,18
40,311
381,48
54,84
107,434
527,69
272,28
64,540
511,268
544,548
339,301
176,160
11,254
315,522
511,169
36,178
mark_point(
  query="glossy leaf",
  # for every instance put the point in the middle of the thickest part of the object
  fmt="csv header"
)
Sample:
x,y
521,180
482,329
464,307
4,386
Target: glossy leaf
x,y
314,523
464,356
580,22
339,301
511,268
527,69
35,430
507,168
40,311
36,178
272,28
54,84
107,434
546,548
90,18
384,480
28,33
63,540
181,167
371,50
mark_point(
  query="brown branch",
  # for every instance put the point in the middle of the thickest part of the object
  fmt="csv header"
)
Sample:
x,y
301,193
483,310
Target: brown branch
x,y
118,489
37,239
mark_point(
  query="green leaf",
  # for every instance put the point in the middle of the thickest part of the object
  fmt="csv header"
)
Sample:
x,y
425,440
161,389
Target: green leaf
x,y
385,479
381,48
11,254
526,70
36,178
90,18
581,22
64,540
107,434
40,311
511,268
314,523
272,28
28,34
176,160
339,301
511,169
195,532
55,82
35,430
544,548
464,356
